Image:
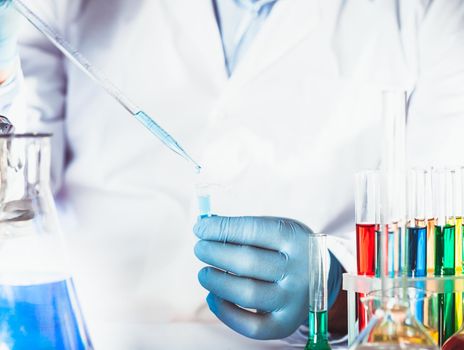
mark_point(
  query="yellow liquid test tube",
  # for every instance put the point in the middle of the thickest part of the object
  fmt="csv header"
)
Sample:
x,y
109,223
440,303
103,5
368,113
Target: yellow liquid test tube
x,y
458,245
458,296
458,267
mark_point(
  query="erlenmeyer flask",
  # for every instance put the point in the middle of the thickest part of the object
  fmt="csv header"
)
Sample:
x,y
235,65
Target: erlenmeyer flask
x,y
38,305
392,324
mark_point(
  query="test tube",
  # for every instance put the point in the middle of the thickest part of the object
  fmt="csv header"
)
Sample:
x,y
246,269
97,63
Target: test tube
x,y
417,226
429,213
393,182
459,241
367,219
417,232
431,305
444,182
318,308
204,199
459,220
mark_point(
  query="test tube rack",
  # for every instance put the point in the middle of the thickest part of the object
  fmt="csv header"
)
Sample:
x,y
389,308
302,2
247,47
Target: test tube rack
x,y
354,284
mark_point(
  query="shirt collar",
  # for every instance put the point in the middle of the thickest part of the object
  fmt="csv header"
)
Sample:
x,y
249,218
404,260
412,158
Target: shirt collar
x,y
254,6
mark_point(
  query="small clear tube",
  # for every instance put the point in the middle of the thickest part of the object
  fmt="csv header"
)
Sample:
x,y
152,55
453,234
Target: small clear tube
x,y
204,192
318,301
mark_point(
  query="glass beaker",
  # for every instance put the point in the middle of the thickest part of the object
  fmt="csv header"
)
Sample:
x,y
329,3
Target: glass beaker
x,y
392,323
38,305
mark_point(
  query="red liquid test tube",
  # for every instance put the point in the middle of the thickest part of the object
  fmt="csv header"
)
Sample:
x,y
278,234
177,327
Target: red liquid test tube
x,y
367,220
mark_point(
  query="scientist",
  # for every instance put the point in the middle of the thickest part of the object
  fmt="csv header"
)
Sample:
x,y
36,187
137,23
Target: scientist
x,y
277,99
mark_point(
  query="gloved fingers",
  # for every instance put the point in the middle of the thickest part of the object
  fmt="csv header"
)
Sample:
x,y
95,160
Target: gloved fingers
x,y
250,324
245,292
244,261
263,232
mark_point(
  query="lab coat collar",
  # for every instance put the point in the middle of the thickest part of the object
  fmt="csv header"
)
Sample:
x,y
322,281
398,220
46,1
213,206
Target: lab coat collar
x,y
196,27
289,23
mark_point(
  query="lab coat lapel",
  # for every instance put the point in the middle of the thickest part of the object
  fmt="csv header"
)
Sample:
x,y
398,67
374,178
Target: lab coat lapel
x,y
289,23
198,37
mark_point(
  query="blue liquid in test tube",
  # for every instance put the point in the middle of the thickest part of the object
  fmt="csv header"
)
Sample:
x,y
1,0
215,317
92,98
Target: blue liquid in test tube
x,y
204,194
204,204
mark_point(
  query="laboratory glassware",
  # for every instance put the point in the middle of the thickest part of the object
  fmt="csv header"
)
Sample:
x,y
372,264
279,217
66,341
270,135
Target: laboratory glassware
x,y
459,212
367,226
456,341
102,80
416,224
393,180
443,203
204,193
392,324
430,312
6,127
38,304
392,191
430,223
417,231
318,308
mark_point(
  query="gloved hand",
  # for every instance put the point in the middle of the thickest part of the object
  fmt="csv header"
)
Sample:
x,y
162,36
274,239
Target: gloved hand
x,y
258,263
9,30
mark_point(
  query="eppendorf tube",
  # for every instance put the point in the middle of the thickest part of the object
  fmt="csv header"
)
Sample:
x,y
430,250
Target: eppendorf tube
x,y
367,219
318,304
204,192
443,201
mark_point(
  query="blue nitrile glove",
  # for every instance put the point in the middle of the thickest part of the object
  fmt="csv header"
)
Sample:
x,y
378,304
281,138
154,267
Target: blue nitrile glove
x,y
258,263
9,30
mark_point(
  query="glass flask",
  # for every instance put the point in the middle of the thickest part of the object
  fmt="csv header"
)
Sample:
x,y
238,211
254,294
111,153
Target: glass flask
x,y
456,342
39,309
392,323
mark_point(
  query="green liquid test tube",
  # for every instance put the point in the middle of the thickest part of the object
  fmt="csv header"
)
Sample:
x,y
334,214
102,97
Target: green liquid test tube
x,y
444,183
318,323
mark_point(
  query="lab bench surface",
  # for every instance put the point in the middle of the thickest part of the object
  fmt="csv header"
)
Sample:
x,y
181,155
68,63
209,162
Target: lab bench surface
x,y
178,336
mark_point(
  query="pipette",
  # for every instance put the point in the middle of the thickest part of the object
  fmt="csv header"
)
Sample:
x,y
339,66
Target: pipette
x,y
96,75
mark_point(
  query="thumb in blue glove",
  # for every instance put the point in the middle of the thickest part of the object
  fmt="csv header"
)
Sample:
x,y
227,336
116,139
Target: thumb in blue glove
x,y
9,30
258,263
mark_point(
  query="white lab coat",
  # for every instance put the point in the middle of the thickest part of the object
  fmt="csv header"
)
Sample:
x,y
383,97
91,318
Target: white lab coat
x,y
283,136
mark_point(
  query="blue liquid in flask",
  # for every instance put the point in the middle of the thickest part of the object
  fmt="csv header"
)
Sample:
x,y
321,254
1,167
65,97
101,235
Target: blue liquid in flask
x,y
41,317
